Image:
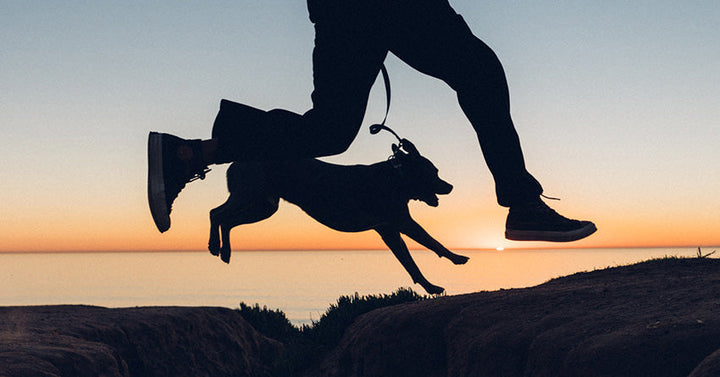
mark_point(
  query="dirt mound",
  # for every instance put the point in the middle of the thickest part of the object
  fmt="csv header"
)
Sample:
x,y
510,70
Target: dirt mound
x,y
155,341
657,318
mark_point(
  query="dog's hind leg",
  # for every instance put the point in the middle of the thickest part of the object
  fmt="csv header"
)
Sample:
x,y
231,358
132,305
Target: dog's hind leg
x,y
251,200
399,249
417,233
225,249
215,221
246,213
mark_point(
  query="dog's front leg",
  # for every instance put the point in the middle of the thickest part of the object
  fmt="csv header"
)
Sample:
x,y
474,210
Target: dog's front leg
x,y
225,250
417,233
399,249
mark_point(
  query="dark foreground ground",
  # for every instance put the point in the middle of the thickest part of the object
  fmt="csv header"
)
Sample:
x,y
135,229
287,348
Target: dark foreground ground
x,y
657,318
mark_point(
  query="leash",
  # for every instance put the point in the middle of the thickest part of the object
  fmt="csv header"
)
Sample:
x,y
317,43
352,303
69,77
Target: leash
x,y
375,128
386,80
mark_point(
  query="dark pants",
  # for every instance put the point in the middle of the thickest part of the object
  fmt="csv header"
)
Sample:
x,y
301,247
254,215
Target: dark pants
x,y
352,38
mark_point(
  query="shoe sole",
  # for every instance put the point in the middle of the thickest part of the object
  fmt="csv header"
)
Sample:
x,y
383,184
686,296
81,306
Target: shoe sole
x,y
156,183
549,236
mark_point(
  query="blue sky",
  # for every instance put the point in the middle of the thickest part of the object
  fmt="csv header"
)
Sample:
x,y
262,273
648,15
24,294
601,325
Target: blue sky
x,y
616,104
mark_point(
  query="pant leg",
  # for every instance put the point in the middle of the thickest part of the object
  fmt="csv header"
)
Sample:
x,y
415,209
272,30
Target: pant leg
x,y
429,36
346,60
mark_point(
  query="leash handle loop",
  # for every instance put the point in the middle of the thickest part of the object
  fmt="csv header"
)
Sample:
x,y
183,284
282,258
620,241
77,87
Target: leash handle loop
x,y
386,80
375,128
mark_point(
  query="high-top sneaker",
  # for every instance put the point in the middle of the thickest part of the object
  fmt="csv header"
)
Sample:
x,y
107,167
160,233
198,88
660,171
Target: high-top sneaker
x,y
172,163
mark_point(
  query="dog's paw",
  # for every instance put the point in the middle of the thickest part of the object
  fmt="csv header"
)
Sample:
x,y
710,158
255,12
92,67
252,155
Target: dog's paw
x,y
214,248
433,289
225,254
458,259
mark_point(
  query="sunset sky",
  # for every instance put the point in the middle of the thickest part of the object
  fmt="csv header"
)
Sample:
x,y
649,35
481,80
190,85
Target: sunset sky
x,y
617,104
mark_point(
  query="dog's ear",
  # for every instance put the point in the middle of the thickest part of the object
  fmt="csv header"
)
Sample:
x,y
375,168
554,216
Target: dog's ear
x,y
409,147
395,149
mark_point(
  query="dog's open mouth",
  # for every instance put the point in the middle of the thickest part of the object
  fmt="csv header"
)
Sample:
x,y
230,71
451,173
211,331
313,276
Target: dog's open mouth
x,y
430,199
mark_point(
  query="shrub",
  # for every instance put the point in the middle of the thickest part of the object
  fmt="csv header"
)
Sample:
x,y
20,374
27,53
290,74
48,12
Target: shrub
x,y
328,330
306,346
271,323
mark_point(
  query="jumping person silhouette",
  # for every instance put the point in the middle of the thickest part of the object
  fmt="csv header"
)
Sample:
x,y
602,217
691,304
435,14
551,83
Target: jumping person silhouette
x,y
352,39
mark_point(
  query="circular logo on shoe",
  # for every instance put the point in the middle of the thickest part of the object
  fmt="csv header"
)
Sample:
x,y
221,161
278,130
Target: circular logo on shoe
x,y
185,153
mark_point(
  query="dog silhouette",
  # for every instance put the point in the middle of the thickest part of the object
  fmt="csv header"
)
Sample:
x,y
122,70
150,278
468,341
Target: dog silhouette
x,y
351,198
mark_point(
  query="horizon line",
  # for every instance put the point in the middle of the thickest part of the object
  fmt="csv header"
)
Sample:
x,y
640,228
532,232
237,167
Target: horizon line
x,y
504,249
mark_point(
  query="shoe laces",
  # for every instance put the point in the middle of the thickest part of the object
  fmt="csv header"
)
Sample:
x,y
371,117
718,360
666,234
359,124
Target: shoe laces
x,y
549,197
199,175
538,207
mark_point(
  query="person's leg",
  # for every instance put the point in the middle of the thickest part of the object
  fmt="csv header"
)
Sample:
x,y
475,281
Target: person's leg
x,y
432,38
346,60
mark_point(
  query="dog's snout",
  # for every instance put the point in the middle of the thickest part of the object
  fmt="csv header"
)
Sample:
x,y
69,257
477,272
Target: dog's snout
x,y
443,188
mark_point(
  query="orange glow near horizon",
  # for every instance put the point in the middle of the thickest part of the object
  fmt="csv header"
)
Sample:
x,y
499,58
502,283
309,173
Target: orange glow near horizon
x,y
464,220
465,232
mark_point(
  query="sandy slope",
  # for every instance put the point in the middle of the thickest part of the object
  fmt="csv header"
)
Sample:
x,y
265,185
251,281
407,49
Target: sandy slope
x,y
658,318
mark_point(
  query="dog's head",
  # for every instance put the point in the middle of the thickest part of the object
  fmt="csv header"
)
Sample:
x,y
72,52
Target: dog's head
x,y
419,174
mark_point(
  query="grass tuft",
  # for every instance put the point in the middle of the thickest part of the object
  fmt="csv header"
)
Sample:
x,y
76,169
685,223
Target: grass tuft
x,y
700,254
307,345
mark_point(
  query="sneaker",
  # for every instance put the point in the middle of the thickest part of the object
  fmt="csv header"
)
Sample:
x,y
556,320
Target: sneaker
x,y
538,222
172,163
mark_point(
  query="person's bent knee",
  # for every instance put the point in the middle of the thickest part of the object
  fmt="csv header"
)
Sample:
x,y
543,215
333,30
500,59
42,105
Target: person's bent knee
x,y
332,133
334,145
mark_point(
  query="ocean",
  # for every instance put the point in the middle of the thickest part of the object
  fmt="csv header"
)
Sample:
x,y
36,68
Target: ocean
x,y
303,284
